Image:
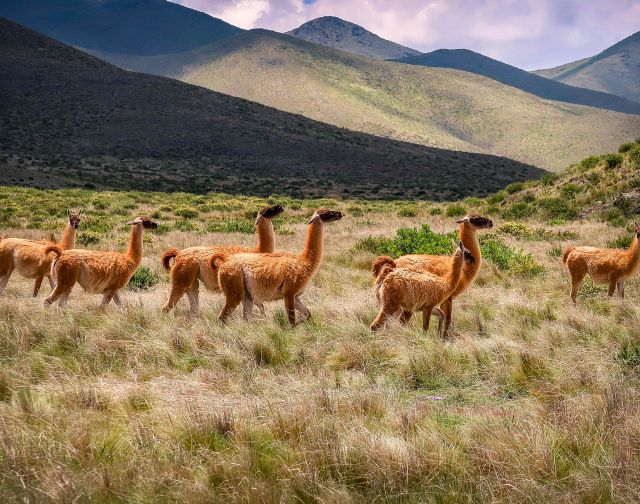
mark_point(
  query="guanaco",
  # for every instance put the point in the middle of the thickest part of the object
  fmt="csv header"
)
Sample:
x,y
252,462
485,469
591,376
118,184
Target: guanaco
x,y
252,278
28,257
605,266
191,265
96,271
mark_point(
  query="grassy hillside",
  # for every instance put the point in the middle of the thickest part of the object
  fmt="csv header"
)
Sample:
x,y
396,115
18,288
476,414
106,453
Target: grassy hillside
x,y
340,34
528,399
469,61
123,26
437,107
71,119
615,70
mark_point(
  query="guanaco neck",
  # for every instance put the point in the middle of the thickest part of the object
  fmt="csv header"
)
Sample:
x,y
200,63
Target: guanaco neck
x,y
134,252
633,253
266,236
469,239
453,277
313,245
68,237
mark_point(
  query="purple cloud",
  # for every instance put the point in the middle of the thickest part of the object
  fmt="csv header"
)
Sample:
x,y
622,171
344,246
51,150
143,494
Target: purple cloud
x,y
530,34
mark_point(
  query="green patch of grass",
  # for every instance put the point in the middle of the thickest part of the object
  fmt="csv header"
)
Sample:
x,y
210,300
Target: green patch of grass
x,y
621,242
523,231
629,356
455,210
143,279
612,160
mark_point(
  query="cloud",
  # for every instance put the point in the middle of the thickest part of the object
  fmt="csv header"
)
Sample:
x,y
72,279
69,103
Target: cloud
x,y
526,33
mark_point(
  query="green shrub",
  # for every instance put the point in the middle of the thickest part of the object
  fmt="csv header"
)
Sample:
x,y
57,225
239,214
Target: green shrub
x,y
634,156
522,231
612,160
408,211
435,211
186,212
614,216
555,252
508,259
425,241
185,225
629,356
625,147
548,179
558,208
514,187
497,197
455,210
519,210
589,163
143,279
593,178
88,238
621,242
570,190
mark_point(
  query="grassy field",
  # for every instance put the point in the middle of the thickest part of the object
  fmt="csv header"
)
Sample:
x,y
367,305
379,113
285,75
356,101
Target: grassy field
x,y
533,400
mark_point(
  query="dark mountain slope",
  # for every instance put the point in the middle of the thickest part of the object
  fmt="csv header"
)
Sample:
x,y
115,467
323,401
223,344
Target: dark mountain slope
x,y
615,70
79,117
349,37
143,27
469,61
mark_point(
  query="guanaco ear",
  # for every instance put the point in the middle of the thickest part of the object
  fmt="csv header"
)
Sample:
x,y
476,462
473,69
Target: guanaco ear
x,y
258,220
463,219
79,211
314,218
461,245
455,245
68,212
137,220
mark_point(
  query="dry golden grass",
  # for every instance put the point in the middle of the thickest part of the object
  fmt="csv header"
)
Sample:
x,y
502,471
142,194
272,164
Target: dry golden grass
x,y
528,402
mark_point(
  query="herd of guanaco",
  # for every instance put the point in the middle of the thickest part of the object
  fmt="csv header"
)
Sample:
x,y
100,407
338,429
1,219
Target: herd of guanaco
x,y
403,286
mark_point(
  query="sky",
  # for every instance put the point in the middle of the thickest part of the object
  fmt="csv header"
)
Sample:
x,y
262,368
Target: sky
x,y
530,34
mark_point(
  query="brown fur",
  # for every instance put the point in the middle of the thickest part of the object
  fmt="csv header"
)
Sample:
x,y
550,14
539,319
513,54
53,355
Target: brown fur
x,y
412,290
191,265
607,266
30,258
96,271
252,278
441,265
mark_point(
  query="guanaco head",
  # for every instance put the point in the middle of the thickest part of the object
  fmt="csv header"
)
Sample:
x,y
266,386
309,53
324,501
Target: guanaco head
x,y
325,215
462,251
143,221
269,213
476,221
74,217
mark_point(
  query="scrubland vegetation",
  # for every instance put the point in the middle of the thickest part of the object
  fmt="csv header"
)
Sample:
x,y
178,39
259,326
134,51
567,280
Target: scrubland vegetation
x,y
532,400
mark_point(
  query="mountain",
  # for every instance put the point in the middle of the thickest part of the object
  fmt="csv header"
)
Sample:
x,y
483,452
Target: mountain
x,y
144,27
337,33
615,70
469,61
436,107
67,116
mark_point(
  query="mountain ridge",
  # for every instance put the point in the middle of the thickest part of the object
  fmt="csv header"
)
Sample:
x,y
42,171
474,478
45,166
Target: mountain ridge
x,y
470,61
615,70
337,33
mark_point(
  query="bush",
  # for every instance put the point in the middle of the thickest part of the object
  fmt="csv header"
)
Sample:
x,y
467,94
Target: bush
x,y
88,238
519,210
435,211
522,231
425,241
625,147
456,210
497,197
558,208
621,242
570,190
143,279
629,356
514,187
634,156
548,179
186,212
589,163
508,259
613,160
409,211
